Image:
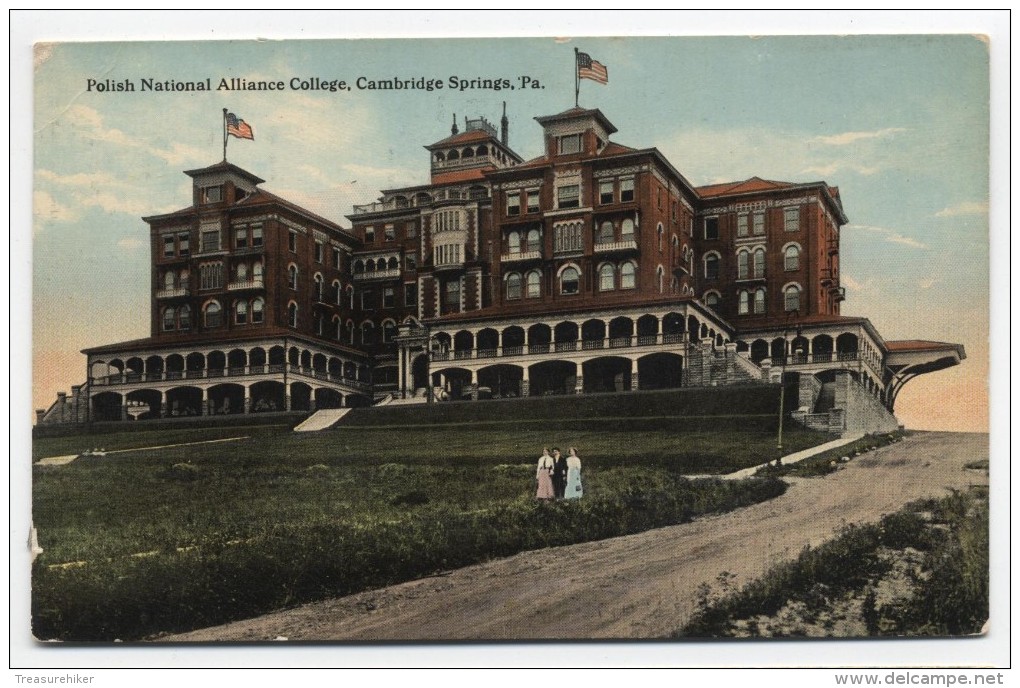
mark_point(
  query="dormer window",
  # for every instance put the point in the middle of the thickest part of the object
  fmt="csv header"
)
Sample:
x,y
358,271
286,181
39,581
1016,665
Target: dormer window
x,y
570,144
212,194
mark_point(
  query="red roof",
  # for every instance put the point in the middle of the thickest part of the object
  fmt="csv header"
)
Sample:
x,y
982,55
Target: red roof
x,y
464,137
747,186
185,340
263,197
477,173
918,345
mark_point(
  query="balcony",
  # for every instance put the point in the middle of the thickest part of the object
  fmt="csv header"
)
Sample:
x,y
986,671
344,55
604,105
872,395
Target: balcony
x,y
172,293
253,283
609,247
377,274
569,346
520,256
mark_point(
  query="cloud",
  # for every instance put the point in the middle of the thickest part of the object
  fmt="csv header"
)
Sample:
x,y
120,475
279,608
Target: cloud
x,y
130,243
849,137
965,208
852,284
90,190
929,282
46,207
90,126
904,241
889,235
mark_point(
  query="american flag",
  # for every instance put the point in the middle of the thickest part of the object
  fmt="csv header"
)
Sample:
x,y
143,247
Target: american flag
x,y
238,127
588,68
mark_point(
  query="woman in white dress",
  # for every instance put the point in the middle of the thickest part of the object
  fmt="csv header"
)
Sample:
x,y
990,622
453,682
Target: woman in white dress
x,y
543,474
574,488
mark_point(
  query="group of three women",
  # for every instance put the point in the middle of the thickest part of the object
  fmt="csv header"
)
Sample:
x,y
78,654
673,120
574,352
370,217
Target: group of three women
x,y
559,477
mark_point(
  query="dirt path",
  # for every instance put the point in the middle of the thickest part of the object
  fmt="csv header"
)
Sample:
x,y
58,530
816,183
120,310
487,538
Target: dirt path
x,y
639,586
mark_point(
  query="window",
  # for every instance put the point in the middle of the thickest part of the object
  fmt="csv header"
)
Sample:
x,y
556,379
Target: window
x,y
711,228
389,331
169,319
447,254
742,225
570,281
337,292
411,262
242,272
627,275
570,144
759,263
791,258
626,190
212,194
292,275
744,302
712,266
338,261
241,237
792,298
241,313
256,235
513,204
210,276
389,233
743,269
658,230
569,196
184,244
411,295
534,240
791,219
606,192
184,319
606,233
210,240
534,281
533,206
213,314
320,324
568,237
411,230
257,307
257,272
320,288
389,297
369,235
711,299
366,333
292,242
627,230
318,251
168,247
759,301
759,223
658,199
451,302
513,286
168,280
513,241
607,278
292,315
367,298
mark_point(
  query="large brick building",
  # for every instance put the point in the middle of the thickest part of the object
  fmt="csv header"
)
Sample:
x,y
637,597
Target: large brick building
x,y
593,267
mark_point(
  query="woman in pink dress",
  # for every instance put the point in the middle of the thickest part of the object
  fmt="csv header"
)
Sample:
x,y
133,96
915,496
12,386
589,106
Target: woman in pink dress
x,y
543,474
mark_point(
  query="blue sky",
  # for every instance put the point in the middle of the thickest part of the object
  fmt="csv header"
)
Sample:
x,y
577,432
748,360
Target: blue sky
x,y
899,123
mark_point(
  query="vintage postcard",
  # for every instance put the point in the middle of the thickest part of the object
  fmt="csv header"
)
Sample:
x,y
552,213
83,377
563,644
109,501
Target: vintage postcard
x,y
511,339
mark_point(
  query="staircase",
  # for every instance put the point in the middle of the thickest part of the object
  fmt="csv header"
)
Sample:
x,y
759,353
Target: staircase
x,y
68,408
322,420
419,396
826,398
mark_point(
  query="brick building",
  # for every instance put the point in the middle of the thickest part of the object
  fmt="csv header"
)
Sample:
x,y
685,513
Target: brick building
x,y
593,267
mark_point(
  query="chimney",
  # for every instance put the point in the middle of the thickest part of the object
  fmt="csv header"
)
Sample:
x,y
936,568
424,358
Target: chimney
x,y
39,415
504,128
453,129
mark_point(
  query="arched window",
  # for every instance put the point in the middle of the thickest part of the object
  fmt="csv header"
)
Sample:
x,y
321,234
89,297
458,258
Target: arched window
x,y
359,266
393,263
606,233
660,274
242,272
534,240
320,288
337,292
658,230
534,280
168,280
607,277
627,276
792,298
514,242
292,315
292,274
213,314
759,263
169,319
241,313
338,329
627,230
791,257
744,302
454,155
257,308
184,318
743,270
712,266
712,298
570,281
513,286
257,272
320,324
759,301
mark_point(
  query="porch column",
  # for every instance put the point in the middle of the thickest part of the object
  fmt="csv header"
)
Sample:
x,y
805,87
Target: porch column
x,y
634,384
525,382
162,403
247,399
579,380
205,402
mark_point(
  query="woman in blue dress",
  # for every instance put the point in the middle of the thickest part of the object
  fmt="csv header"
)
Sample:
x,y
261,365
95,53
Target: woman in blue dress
x,y
574,489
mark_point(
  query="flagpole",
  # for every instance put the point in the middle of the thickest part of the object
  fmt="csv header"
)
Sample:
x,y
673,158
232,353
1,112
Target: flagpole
x,y
224,134
577,82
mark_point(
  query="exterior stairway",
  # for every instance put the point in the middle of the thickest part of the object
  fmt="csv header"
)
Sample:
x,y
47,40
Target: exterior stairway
x,y
322,419
826,398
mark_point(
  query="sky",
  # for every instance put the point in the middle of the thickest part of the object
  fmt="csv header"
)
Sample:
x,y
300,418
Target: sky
x,y
899,123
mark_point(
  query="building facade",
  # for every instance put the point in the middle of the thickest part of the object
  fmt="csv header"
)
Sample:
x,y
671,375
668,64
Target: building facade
x,y
593,267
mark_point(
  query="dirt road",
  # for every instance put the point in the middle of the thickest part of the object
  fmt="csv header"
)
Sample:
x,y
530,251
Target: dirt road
x,y
639,586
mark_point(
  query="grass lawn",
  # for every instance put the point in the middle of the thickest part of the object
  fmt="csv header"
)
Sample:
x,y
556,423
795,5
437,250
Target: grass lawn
x,y
179,538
